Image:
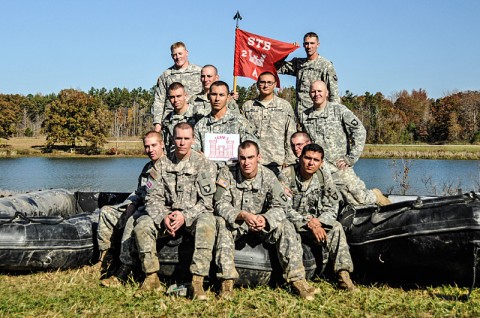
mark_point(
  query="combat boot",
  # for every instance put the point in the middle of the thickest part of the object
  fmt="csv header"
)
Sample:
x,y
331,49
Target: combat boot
x,y
118,278
344,281
226,291
303,289
197,288
381,199
150,283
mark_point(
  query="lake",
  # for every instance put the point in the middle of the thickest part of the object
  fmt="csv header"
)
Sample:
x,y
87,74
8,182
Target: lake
x,y
120,174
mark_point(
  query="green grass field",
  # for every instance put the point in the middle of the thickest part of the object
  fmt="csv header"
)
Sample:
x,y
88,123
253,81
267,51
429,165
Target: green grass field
x,y
76,293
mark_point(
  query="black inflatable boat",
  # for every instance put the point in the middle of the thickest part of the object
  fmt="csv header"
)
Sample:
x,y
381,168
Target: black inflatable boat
x,y
420,240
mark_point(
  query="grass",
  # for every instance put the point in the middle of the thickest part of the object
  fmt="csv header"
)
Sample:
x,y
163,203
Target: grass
x,y
76,293
458,152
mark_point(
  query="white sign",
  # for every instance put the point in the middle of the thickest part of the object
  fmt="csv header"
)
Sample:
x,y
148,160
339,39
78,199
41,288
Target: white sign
x,y
221,147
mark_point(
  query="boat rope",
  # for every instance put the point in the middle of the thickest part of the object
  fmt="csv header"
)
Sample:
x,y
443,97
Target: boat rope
x,y
23,216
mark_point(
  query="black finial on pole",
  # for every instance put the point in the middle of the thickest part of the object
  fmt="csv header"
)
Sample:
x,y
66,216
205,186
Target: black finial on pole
x,y
237,17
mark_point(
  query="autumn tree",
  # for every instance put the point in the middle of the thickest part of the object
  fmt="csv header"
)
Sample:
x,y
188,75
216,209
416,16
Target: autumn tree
x,y
416,107
10,114
76,116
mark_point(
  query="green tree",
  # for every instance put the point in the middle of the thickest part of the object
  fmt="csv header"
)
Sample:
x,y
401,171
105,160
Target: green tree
x,y
10,114
76,116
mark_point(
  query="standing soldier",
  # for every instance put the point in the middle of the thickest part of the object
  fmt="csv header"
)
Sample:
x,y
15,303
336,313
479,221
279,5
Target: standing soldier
x,y
200,101
221,119
181,71
342,135
182,112
112,219
314,211
308,69
183,199
274,120
250,199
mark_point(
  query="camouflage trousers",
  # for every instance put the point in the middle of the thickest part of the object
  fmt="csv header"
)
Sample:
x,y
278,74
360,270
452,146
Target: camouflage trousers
x,y
351,187
337,247
203,230
285,238
111,221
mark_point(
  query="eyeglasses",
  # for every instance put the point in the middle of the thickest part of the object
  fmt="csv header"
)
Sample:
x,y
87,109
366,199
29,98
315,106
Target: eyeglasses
x,y
266,83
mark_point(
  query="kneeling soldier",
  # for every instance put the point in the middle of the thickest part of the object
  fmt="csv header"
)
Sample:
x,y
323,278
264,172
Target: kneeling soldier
x,y
250,198
315,209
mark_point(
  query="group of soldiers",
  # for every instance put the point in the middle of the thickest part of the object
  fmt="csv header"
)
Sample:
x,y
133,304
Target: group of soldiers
x,y
285,187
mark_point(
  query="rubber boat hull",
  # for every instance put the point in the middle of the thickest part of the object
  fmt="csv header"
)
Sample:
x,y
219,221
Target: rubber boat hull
x,y
423,241
56,229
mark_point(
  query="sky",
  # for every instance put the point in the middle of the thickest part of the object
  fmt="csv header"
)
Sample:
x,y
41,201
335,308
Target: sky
x,y
375,45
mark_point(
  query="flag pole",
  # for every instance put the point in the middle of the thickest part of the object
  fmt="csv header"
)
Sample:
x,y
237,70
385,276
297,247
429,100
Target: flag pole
x,y
237,17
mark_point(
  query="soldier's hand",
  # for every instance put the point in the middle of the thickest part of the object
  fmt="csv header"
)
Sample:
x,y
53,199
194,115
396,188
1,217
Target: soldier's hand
x,y
250,219
317,230
167,222
341,164
261,223
157,127
177,219
234,95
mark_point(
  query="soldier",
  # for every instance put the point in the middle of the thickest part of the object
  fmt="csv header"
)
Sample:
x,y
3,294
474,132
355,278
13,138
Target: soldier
x,y
306,70
112,219
181,71
183,199
314,210
182,112
200,101
221,119
274,121
250,199
299,140
342,135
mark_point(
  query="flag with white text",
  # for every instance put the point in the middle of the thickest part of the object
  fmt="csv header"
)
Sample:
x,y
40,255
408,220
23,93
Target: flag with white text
x,y
255,54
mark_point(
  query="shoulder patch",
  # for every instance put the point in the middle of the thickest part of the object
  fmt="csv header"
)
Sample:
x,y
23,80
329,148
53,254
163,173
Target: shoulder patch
x,y
354,122
222,182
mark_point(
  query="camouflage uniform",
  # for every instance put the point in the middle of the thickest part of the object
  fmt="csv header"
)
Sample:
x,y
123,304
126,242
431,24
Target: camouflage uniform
x,y
202,105
262,195
231,123
275,124
112,219
188,186
307,72
342,136
318,198
189,77
171,120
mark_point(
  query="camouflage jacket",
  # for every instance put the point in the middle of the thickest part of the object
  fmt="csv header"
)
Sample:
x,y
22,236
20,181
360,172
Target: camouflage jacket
x,y
202,105
275,124
187,185
337,130
318,199
262,195
307,72
231,123
171,120
189,77
146,181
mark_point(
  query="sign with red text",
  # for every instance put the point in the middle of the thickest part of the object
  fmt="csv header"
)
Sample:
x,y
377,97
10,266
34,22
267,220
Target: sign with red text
x,y
255,54
221,147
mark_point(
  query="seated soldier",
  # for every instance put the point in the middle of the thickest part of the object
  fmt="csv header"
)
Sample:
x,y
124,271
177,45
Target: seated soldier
x,y
314,210
250,199
183,198
112,219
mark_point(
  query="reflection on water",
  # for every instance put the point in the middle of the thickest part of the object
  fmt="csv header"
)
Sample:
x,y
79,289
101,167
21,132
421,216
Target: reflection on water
x,y
120,174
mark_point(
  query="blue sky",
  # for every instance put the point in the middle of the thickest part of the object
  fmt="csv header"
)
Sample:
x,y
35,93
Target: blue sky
x,y
376,45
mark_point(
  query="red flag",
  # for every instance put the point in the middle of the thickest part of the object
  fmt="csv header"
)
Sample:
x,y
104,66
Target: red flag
x,y
255,54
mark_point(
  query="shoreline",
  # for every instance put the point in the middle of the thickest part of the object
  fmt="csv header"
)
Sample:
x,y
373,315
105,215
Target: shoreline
x,y
24,147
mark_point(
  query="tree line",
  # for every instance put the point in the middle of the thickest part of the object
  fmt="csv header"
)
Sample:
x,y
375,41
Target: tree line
x,y
74,116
